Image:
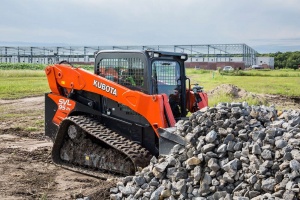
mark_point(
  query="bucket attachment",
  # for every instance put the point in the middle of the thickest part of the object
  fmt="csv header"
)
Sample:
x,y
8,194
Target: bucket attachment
x,y
168,140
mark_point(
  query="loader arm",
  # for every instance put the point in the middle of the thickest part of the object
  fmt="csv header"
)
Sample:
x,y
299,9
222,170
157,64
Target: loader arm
x,y
63,79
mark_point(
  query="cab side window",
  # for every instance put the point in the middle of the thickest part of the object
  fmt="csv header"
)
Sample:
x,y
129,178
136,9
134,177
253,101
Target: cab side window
x,y
128,72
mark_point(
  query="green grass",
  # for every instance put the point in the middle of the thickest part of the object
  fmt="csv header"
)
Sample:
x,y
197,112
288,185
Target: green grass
x,y
31,129
222,97
16,84
267,73
287,86
22,73
39,122
278,82
22,66
33,66
19,114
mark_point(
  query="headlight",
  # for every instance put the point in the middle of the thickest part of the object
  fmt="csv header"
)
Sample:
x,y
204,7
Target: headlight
x,y
156,55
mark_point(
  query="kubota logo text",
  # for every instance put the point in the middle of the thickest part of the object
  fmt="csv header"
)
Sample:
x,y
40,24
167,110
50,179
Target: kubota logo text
x,y
105,87
64,104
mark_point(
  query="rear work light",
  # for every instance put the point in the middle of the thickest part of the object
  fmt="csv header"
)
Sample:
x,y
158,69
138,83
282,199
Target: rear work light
x,y
183,57
156,55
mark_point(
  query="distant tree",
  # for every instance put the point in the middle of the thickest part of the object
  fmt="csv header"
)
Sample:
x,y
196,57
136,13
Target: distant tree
x,y
286,59
280,60
293,60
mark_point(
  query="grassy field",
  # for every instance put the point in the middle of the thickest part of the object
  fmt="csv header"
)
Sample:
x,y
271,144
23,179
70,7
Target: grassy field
x,y
16,84
271,73
19,80
263,82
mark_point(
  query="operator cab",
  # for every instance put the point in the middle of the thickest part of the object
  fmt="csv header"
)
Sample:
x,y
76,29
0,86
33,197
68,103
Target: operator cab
x,y
150,72
168,76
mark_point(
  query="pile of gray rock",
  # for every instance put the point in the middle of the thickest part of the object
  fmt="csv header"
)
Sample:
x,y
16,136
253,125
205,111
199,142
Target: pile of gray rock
x,y
233,151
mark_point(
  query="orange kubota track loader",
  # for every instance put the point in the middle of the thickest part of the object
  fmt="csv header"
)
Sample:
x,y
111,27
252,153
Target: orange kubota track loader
x,y
118,117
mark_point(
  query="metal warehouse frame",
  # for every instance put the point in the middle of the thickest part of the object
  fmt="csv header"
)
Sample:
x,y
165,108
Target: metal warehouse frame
x,y
48,55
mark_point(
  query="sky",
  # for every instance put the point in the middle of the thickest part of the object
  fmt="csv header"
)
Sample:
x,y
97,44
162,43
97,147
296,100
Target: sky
x,y
265,25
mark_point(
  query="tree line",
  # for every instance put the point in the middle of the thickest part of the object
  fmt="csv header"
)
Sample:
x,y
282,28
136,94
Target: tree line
x,y
285,60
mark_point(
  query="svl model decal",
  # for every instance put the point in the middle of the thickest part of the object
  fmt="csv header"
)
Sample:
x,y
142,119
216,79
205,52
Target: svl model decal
x,y
64,104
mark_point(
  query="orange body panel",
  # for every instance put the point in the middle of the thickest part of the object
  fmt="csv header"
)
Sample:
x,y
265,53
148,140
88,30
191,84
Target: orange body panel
x,y
65,106
204,101
168,111
192,105
149,106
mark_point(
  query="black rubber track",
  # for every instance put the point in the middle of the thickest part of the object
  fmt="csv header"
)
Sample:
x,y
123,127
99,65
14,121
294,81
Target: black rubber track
x,y
139,156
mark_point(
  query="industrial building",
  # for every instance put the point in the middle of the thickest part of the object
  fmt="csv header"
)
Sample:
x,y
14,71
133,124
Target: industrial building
x,y
265,62
210,56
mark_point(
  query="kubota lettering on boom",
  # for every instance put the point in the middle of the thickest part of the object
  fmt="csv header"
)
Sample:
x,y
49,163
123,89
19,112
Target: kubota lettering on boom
x,y
105,88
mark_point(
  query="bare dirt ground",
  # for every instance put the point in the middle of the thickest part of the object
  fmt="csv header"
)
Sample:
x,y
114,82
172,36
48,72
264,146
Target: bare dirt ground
x,y
25,158
25,153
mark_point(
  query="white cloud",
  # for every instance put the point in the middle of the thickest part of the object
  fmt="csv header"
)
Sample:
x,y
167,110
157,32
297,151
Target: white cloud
x,y
152,22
